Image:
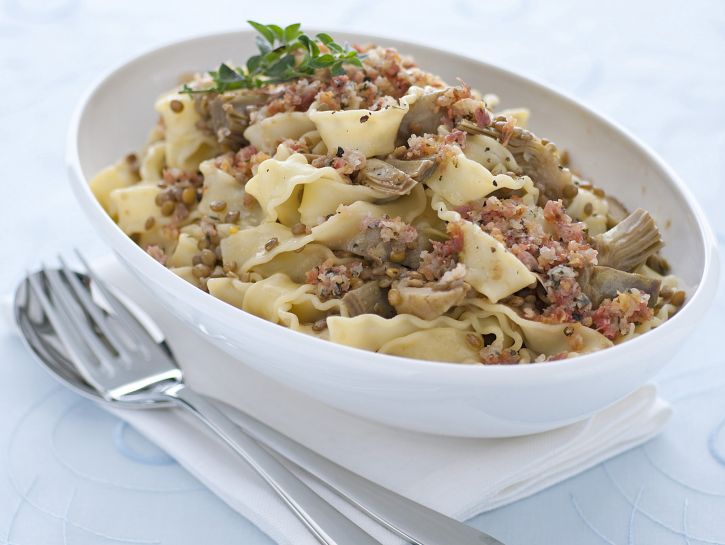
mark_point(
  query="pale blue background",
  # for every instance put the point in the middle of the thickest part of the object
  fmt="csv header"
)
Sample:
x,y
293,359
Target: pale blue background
x,y
71,474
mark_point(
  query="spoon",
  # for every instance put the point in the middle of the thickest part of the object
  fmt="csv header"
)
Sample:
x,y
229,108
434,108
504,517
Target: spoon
x,y
35,305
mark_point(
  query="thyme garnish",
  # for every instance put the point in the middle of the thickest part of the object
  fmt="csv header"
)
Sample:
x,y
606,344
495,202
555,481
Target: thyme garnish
x,y
284,54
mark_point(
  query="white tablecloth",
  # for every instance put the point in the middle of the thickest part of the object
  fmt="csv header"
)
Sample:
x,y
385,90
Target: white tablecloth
x,y
70,473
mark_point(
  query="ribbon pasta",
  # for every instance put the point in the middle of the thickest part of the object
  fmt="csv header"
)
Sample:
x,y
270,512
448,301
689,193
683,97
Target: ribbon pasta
x,y
354,208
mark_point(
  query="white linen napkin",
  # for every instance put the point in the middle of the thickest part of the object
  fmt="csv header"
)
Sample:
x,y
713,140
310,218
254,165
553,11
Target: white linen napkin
x,y
460,477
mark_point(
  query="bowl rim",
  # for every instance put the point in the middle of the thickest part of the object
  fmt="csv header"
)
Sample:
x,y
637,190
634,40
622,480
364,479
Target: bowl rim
x,y
696,305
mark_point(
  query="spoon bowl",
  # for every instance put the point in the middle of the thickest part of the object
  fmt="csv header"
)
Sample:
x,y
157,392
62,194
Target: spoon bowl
x,y
41,339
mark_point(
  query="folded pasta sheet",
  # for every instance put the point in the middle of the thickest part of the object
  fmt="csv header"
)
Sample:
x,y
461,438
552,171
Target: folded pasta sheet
x,y
351,195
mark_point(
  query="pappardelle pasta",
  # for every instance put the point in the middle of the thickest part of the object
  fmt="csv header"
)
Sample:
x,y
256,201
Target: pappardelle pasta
x,y
348,194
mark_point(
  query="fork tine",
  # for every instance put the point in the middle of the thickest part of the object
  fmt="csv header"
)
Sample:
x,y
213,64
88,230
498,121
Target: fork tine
x,y
60,321
83,297
63,294
122,313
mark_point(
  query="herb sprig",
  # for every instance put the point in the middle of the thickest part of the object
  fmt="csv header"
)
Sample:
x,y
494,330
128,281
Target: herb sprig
x,y
284,54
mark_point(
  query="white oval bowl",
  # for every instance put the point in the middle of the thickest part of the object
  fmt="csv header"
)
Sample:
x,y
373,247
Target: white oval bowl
x,y
439,398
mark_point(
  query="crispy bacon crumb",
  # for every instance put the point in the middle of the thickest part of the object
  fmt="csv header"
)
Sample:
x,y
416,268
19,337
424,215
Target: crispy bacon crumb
x,y
333,281
155,251
619,316
493,356
444,255
346,162
548,242
241,165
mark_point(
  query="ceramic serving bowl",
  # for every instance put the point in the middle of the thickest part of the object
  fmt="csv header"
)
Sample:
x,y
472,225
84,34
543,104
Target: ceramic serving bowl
x,y
439,398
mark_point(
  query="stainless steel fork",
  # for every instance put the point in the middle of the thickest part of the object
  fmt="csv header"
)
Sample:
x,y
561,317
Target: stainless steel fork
x,y
115,354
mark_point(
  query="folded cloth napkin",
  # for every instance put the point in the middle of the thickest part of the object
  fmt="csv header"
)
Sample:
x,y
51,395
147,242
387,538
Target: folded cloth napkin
x,y
460,477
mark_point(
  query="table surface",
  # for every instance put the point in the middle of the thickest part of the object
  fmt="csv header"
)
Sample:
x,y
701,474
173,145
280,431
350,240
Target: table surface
x,y
70,473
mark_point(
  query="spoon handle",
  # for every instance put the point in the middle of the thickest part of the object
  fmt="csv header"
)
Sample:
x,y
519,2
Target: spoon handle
x,y
412,521
328,525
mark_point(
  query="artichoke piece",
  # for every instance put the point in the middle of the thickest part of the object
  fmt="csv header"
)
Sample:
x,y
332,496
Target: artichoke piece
x,y
431,300
369,244
418,169
628,244
385,178
227,115
539,159
617,211
368,299
423,117
599,283
425,302
472,128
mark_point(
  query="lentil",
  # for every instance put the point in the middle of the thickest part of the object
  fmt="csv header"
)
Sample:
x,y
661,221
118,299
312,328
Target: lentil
x,y
150,222
658,264
271,244
299,229
168,208
232,216
208,258
218,206
397,256
230,267
394,297
200,270
570,191
392,272
667,293
176,106
678,298
188,196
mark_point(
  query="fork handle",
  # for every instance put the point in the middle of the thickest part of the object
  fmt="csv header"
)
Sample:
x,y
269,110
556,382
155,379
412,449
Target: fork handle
x,y
326,523
412,521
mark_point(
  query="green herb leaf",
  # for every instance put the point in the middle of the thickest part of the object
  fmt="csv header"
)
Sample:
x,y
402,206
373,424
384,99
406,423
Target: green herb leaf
x,y
253,63
291,32
227,74
278,31
325,38
263,30
337,69
262,45
284,54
